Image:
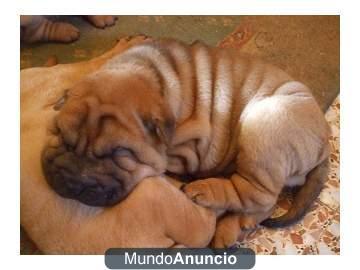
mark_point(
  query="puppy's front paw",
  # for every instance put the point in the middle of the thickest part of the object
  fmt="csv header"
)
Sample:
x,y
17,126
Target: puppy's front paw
x,y
100,21
224,238
228,239
202,193
61,32
248,223
227,231
232,228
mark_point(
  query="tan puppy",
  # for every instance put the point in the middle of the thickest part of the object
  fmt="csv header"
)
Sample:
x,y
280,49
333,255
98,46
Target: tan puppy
x,y
156,214
191,110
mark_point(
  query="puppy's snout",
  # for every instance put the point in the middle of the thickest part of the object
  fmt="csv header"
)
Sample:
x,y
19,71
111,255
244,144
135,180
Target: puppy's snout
x,y
81,178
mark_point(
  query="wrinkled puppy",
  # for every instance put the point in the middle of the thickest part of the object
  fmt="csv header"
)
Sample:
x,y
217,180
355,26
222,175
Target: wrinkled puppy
x,y
156,214
192,110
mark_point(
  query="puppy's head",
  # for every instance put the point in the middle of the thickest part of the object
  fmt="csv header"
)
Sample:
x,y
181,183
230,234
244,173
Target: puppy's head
x,y
110,133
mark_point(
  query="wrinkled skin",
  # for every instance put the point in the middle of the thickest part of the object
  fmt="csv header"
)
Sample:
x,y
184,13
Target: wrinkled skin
x,y
94,153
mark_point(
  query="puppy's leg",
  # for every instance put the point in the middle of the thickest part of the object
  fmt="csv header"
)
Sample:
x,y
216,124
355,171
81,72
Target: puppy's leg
x,y
240,194
227,231
39,28
101,21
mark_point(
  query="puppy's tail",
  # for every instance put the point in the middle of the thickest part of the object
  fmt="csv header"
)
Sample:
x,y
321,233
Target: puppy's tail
x,y
303,199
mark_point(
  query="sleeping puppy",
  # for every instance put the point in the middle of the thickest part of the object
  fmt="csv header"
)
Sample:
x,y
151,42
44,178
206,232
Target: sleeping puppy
x,y
156,214
244,127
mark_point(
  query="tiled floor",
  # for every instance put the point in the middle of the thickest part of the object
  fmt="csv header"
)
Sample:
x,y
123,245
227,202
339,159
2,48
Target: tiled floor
x,y
319,231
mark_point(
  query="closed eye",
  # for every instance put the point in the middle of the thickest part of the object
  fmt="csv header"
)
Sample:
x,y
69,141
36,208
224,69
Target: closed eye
x,y
61,101
123,152
125,159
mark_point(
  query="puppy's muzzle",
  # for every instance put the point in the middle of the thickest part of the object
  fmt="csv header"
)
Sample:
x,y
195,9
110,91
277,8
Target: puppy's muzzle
x,y
81,178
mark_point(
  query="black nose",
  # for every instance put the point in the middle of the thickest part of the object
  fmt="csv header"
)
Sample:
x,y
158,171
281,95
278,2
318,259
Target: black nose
x,y
86,189
73,179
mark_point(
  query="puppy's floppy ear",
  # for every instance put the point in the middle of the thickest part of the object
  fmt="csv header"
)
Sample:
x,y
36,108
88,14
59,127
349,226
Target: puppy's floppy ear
x,y
162,129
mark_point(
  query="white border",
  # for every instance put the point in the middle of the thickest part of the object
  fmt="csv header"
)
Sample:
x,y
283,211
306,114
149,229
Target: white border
x,y
350,189
163,7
